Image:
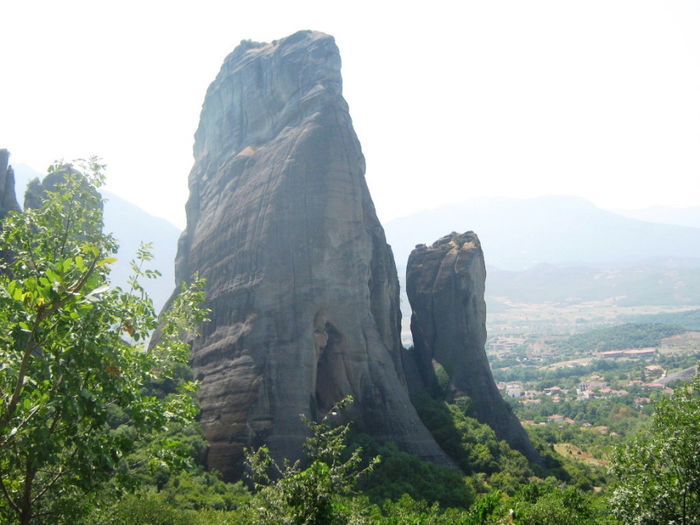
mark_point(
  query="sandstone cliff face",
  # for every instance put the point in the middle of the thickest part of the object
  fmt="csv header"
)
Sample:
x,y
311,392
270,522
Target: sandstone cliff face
x,y
445,286
8,199
300,280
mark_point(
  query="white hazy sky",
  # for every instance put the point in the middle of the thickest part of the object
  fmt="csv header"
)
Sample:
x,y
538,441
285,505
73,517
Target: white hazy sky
x,y
450,100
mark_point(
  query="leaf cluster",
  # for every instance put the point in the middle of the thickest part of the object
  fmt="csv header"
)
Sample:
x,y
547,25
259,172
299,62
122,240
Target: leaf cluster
x,y
311,495
658,472
72,357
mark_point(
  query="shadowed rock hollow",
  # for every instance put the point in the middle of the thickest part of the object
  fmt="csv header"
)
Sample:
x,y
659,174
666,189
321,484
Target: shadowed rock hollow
x,y
445,286
300,280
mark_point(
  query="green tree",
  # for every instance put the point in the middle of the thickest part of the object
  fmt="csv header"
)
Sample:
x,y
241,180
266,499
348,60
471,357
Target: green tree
x,y
548,504
72,356
290,494
658,473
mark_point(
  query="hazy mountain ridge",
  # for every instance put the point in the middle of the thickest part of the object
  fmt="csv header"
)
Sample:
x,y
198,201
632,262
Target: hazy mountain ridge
x,y
643,284
665,215
518,234
563,249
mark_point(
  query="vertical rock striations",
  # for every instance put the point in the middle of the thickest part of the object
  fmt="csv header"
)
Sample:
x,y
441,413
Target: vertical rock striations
x,y
445,286
8,199
300,280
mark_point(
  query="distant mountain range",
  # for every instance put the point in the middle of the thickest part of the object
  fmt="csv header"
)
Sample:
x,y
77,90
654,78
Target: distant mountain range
x,y
678,216
130,225
519,234
642,284
564,249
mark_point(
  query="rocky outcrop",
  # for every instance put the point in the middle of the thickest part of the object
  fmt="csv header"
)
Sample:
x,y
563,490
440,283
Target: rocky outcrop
x,y
300,281
445,285
37,189
8,199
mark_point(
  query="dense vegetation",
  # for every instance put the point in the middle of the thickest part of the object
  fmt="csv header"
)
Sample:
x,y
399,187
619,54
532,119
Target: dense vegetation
x,y
74,402
657,474
323,490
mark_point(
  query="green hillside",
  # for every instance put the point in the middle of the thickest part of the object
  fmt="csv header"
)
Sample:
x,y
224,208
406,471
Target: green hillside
x,y
629,335
690,319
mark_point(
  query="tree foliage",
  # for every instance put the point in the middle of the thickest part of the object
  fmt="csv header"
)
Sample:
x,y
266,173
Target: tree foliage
x,y
549,504
658,473
72,356
472,445
401,473
291,494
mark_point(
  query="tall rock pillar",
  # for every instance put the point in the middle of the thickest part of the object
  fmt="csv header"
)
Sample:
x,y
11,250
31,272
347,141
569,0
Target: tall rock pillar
x,y
8,199
301,283
445,286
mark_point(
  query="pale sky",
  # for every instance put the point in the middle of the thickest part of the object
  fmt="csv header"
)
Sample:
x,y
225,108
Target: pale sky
x,y
450,100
